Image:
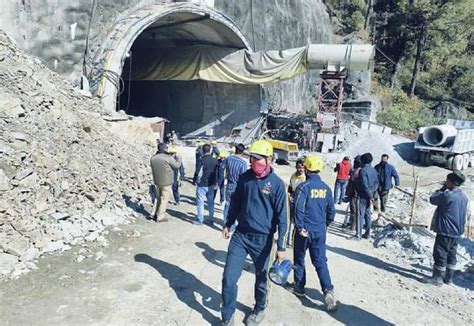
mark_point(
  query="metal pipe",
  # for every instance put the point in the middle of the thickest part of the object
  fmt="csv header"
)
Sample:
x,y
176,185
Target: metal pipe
x,y
439,135
349,56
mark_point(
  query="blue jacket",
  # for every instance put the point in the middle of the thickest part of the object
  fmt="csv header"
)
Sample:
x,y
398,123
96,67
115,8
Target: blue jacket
x,y
368,182
450,215
385,174
314,205
260,206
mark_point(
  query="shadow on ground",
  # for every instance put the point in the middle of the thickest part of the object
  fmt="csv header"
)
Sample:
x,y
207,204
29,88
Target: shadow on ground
x,y
346,314
136,207
377,263
186,286
218,257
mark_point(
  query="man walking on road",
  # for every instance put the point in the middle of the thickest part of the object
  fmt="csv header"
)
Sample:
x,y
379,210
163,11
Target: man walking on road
x,y
162,166
366,186
260,205
448,222
343,170
315,210
235,165
206,185
386,172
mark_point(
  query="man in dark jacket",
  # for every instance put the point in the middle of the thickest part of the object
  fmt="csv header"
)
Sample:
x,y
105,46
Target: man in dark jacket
x,y
366,186
198,155
206,185
386,172
315,210
162,166
260,205
448,222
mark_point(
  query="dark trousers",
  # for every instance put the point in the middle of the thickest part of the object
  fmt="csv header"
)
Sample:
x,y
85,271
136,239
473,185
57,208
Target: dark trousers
x,y
339,190
316,243
444,252
381,201
353,212
259,247
365,215
221,190
176,192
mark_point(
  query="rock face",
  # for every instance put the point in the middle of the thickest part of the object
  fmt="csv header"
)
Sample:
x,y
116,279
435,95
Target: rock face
x,y
64,176
56,32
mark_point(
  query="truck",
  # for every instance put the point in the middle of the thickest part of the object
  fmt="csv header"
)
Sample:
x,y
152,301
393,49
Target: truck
x,y
450,144
284,150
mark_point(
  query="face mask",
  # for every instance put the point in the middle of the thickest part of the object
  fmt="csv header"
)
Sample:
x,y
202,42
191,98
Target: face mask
x,y
260,168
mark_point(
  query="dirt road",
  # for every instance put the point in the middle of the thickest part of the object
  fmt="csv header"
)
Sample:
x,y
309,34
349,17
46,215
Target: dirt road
x,y
170,274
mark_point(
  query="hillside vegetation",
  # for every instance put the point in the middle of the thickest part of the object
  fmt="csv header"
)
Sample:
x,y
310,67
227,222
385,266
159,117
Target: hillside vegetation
x,y
424,65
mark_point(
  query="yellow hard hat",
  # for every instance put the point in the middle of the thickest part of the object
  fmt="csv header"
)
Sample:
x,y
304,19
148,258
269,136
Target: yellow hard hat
x,y
200,143
233,149
172,150
314,163
223,153
261,147
213,142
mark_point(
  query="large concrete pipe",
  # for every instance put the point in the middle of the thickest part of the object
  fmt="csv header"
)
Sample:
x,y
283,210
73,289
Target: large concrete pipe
x,y
439,135
349,56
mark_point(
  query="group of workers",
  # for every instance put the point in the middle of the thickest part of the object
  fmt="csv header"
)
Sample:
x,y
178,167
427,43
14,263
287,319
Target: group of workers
x,y
258,204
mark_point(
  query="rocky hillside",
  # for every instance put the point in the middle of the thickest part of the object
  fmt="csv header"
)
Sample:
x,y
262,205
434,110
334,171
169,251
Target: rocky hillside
x,y
63,176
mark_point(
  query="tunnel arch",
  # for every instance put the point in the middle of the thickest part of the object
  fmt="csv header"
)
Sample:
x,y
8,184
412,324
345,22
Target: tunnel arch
x,y
109,61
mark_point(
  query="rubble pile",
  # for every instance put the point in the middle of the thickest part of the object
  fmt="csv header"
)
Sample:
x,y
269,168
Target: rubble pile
x,y
64,176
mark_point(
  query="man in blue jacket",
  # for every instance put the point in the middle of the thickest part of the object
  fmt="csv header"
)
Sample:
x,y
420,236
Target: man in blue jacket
x,y
366,185
448,222
386,172
260,205
315,210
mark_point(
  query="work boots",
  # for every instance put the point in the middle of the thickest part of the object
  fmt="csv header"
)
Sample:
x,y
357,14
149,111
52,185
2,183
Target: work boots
x,y
255,317
448,278
436,278
330,299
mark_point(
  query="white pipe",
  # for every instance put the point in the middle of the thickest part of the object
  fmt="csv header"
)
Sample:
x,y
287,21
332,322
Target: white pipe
x,y
438,135
349,56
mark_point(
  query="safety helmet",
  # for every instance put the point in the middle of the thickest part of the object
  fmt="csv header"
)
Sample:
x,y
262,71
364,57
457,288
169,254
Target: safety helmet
x,y
314,163
223,153
213,142
233,149
261,147
200,143
172,150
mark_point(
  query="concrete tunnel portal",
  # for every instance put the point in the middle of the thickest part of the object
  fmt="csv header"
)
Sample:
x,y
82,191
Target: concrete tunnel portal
x,y
188,105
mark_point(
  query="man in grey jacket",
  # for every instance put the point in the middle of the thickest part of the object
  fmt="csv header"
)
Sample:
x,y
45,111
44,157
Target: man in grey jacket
x,y
162,166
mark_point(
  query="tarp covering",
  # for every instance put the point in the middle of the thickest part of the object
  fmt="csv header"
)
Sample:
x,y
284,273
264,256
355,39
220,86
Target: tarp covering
x,y
229,65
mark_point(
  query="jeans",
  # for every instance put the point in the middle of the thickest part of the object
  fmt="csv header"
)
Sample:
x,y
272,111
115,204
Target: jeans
x,y
365,215
176,192
316,243
339,190
259,247
444,252
202,194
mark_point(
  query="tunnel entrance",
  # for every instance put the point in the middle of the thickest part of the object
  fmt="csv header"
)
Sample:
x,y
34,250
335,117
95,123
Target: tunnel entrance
x,y
192,107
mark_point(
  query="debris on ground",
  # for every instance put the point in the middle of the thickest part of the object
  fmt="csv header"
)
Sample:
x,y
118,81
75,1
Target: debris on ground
x,y
64,177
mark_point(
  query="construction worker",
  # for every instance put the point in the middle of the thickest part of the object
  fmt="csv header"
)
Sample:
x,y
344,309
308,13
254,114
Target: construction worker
x,y
221,162
351,193
386,172
206,182
198,154
343,170
178,176
214,150
260,205
162,166
235,165
315,210
296,178
448,222
366,184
